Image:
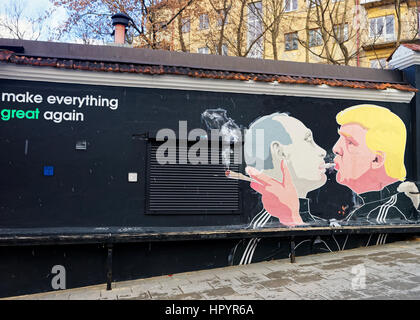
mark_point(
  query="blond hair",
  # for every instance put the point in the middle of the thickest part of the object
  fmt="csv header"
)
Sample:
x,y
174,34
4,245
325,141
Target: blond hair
x,y
386,133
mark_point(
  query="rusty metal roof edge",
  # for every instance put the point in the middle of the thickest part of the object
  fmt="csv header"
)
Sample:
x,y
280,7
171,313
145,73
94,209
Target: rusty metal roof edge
x,y
115,54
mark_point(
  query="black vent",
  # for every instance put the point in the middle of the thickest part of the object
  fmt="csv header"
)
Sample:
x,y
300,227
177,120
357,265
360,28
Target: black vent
x,y
191,188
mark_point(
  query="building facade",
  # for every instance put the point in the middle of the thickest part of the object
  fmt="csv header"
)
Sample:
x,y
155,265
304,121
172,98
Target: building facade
x,y
347,32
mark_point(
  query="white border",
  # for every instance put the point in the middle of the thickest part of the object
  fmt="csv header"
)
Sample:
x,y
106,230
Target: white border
x,y
48,74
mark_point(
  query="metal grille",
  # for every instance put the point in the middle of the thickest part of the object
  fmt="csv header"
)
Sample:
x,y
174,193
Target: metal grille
x,y
191,188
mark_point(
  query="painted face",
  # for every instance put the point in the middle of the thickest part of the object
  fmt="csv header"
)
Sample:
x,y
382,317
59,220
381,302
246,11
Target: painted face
x,y
353,157
305,159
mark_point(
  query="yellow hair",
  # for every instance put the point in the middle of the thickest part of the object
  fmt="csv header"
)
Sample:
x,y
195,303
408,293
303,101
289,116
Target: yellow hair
x,y
386,133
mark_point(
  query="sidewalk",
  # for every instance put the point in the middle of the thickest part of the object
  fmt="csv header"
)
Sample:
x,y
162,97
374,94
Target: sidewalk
x,y
389,271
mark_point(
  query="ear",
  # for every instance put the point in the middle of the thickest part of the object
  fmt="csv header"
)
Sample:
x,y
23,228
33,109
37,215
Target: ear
x,y
379,160
277,151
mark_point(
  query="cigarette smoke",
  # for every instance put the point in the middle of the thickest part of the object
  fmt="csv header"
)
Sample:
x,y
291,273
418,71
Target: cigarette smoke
x,y
228,130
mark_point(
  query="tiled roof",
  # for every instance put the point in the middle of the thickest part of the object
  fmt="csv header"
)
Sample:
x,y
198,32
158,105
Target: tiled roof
x,y
412,46
11,57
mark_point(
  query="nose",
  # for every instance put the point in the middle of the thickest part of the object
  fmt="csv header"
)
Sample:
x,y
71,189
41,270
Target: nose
x,y
337,149
323,153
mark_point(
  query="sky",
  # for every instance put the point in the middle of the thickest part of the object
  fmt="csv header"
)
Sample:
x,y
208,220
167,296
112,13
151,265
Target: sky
x,y
32,10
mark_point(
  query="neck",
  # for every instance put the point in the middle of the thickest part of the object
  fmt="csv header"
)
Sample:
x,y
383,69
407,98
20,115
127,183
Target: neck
x,y
371,181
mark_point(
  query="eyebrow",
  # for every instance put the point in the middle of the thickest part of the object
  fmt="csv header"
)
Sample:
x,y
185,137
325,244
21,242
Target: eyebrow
x,y
347,136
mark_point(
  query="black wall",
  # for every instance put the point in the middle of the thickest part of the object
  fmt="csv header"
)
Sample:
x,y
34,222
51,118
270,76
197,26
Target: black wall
x,y
90,188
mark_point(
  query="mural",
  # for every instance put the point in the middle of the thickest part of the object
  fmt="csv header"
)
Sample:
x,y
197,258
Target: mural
x,y
369,160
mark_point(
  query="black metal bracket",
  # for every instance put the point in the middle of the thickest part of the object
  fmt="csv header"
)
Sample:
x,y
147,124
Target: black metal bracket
x,y
311,248
109,267
292,250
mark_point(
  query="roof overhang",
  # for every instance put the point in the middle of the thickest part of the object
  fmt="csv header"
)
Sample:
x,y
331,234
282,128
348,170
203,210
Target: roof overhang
x,y
404,57
179,82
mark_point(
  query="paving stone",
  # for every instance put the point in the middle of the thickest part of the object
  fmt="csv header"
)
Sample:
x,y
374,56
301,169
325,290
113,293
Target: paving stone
x,y
221,283
243,297
343,295
138,296
109,294
404,255
374,290
400,284
277,294
283,266
259,268
306,292
87,295
355,257
407,261
195,287
276,283
379,297
252,278
176,282
164,292
199,276
412,270
306,278
411,295
382,259
377,254
232,273
391,272
339,266
150,282
118,292
218,293
188,296
277,275
247,289
414,279
55,296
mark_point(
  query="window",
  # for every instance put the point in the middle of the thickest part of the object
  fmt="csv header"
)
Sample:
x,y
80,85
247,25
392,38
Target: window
x,y
224,50
203,50
290,41
313,3
290,5
185,25
341,32
315,38
204,22
382,27
183,187
222,17
255,30
378,63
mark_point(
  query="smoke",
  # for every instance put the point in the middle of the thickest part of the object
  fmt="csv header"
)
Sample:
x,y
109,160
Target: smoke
x,y
229,131
329,159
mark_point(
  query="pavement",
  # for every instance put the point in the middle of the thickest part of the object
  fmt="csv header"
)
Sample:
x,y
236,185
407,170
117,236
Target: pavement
x,y
386,272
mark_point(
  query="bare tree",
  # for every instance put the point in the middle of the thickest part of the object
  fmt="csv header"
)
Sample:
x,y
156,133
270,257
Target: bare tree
x,y
329,33
16,23
273,21
91,19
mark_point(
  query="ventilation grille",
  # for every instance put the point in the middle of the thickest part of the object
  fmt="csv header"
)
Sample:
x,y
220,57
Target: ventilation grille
x,y
191,188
